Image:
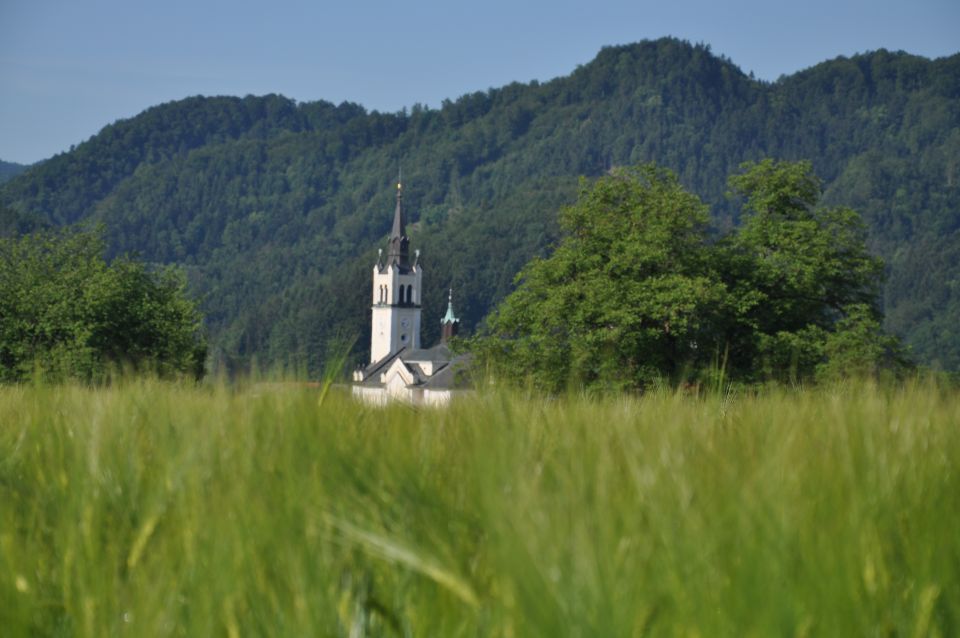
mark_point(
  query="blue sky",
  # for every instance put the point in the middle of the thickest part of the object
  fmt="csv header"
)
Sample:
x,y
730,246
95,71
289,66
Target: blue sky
x,y
68,68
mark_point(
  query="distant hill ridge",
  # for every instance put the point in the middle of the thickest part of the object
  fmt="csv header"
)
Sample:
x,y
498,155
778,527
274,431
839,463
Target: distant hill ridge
x,y
276,207
9,170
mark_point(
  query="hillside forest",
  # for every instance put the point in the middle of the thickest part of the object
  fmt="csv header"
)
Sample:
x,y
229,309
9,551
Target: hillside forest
x,y
9,170
274,209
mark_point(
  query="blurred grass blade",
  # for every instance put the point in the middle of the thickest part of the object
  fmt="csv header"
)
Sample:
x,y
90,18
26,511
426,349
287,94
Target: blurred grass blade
x,y
391,550
143,536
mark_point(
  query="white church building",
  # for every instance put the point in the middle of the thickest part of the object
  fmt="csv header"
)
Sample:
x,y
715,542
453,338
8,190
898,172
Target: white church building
x,y
400,368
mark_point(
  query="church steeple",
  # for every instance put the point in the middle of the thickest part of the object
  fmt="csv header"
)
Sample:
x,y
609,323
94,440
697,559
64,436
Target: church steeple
x,y
396,292
450,324
398,250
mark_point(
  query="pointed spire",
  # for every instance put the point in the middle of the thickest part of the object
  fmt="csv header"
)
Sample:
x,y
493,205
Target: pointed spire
x,y
449,317
399,247
449,325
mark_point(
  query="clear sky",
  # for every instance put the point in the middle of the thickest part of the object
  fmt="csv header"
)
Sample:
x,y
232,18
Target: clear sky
x,y
70,67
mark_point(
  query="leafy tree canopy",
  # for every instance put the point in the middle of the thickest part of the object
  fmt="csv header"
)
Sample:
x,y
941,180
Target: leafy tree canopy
x,y
627,294
801,271
276,208
636,291
68,313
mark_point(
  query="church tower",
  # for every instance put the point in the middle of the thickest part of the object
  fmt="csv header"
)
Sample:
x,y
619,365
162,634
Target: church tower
x,y
396,292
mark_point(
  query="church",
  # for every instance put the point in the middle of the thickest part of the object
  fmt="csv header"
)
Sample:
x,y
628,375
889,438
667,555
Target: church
x,y
400,368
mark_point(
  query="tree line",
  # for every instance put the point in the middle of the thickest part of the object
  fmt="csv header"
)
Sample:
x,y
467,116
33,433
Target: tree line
x,y
274,209
637,292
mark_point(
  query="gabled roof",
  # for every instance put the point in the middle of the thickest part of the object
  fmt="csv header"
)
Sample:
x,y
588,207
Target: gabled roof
x,y
438,354
448,368
407,375
374,369
453,376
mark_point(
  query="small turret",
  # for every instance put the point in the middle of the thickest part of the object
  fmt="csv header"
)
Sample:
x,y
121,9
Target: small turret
x,y
450,324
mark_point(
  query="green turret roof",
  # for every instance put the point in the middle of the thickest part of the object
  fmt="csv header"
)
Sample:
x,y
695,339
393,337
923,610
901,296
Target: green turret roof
x,y
449,317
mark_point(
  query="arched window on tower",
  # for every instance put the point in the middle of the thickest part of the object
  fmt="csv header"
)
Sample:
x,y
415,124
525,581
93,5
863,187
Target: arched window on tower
x,y
401,294
410,293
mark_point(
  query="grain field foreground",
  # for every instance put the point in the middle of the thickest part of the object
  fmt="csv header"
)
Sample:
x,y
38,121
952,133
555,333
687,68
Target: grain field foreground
x,y
152,509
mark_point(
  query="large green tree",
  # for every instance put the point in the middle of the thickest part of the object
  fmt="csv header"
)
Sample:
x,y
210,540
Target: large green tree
x,y
630,293
68,313
637,291
801,272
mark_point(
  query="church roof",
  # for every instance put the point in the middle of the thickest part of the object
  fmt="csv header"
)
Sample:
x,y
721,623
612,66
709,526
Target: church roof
x,y
437,353
448,368
453,376
372,371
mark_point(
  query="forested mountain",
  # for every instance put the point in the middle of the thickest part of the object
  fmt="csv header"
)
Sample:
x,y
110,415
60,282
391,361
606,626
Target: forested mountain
x,y
276,208
9,170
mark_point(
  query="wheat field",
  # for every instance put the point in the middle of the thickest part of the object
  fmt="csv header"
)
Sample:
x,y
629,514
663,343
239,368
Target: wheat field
x,y
147,508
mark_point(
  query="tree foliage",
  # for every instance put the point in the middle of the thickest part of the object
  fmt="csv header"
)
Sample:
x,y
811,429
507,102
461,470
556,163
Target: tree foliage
x,y
636,291
69,314
629,293
801,266
276,208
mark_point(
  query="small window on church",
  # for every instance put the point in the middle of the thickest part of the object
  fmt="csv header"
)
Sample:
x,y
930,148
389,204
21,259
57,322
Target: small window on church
x,y
401,294
410,294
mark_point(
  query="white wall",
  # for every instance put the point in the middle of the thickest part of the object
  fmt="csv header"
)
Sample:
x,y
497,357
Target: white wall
x,y
388,332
